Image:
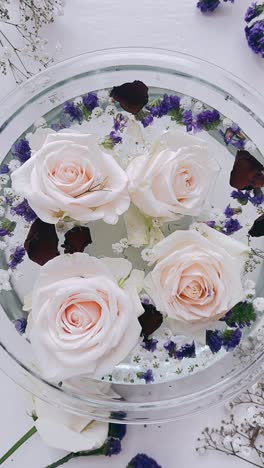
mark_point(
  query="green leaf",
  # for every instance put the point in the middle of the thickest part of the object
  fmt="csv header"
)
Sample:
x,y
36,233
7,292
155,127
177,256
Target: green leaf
x,y
176,114
107,143
241,314
8,225
86,113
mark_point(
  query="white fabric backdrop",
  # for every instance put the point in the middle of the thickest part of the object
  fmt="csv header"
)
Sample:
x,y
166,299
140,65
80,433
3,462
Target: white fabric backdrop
x,y
171,24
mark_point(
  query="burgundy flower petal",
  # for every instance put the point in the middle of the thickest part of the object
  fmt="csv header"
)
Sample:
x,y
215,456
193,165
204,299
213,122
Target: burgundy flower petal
x,y
257,230
247,172
150,320
77,239
131,96
41,243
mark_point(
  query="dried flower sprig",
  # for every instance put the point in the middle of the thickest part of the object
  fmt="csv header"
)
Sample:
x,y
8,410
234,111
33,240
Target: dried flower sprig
x,y
240,437
26,19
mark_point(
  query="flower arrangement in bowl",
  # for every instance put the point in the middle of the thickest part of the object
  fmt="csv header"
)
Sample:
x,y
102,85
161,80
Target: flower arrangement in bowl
x,y
131,224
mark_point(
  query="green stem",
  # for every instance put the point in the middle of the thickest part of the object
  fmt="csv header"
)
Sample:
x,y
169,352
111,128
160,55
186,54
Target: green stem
x,y
18,444
71,455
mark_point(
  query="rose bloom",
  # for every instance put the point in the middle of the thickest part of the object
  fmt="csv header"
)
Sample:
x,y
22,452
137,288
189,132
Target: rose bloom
x,y
82,321
71,176
68,431
175,177
197,277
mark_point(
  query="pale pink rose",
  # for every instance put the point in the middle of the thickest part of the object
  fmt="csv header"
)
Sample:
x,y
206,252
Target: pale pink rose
x,y
71,176
197,278
84,319
174,177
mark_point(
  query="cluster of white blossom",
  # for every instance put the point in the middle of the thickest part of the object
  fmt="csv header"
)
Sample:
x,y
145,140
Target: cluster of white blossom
x,y
27,19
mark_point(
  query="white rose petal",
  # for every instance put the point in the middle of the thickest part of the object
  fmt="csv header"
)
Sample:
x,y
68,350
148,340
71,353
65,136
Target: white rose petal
x,y
175,177
67,431
70,176
82,321
140,229
197,278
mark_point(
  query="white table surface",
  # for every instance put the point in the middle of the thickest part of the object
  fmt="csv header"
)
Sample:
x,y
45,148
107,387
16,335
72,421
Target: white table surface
x,y
175,25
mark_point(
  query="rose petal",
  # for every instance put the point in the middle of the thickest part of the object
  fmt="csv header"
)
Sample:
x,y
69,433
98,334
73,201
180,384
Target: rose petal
x,y
151,320
77,239
41,243
247,172
131,96
257,230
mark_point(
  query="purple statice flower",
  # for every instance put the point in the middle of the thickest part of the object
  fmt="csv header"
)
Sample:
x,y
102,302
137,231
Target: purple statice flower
x,y
16,257
241,197
171,347
214,340
23,209
147,376
4,169
90,101
112,446
253,11
186,351
255,37
211,223
3,232
187,119
208,5
231,339
147,120
115,137
64,122
73,111
231,225
21,150
149,344
207,118
120,122
257,199
21,325
165,105
229,212
142,461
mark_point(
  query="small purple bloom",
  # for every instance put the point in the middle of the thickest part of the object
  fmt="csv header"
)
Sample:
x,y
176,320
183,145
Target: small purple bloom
x,y
257,199
186,351
207,118
149,344
21,150
231,225
147,120
115,137
112,446
231,339
253,11
147,376
171,347
120,122
4,169
16,257
23,209
142,461
20,325
211,223
166,104
214,340
255,37
3,232
208,5
187,119
73,111
90,101
229,212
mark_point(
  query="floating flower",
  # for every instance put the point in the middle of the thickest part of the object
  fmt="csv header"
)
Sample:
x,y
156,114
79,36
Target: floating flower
x,y
131,96
42,242
214,340
186,351
77,239
21,150
247,171
231,339
112,447
86,321
142,461
174,178
16,257
21,325
74,111
90,101
25,211
197,278
150,320
255,28
150,344
209,5
69,176
147,376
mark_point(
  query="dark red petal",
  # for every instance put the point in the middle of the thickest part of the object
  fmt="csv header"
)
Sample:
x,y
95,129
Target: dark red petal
x,y
150,320
41,243
257,230
77,239
131,96
247,172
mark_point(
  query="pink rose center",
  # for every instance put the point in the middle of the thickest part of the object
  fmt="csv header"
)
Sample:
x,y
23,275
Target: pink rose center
x,y
68,173
80,315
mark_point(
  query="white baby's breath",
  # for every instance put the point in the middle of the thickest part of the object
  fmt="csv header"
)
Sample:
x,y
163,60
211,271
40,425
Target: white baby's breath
x,y
259,304
4,281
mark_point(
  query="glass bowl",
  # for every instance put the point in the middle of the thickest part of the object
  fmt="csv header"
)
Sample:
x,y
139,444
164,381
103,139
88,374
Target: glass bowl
x,y
197,386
